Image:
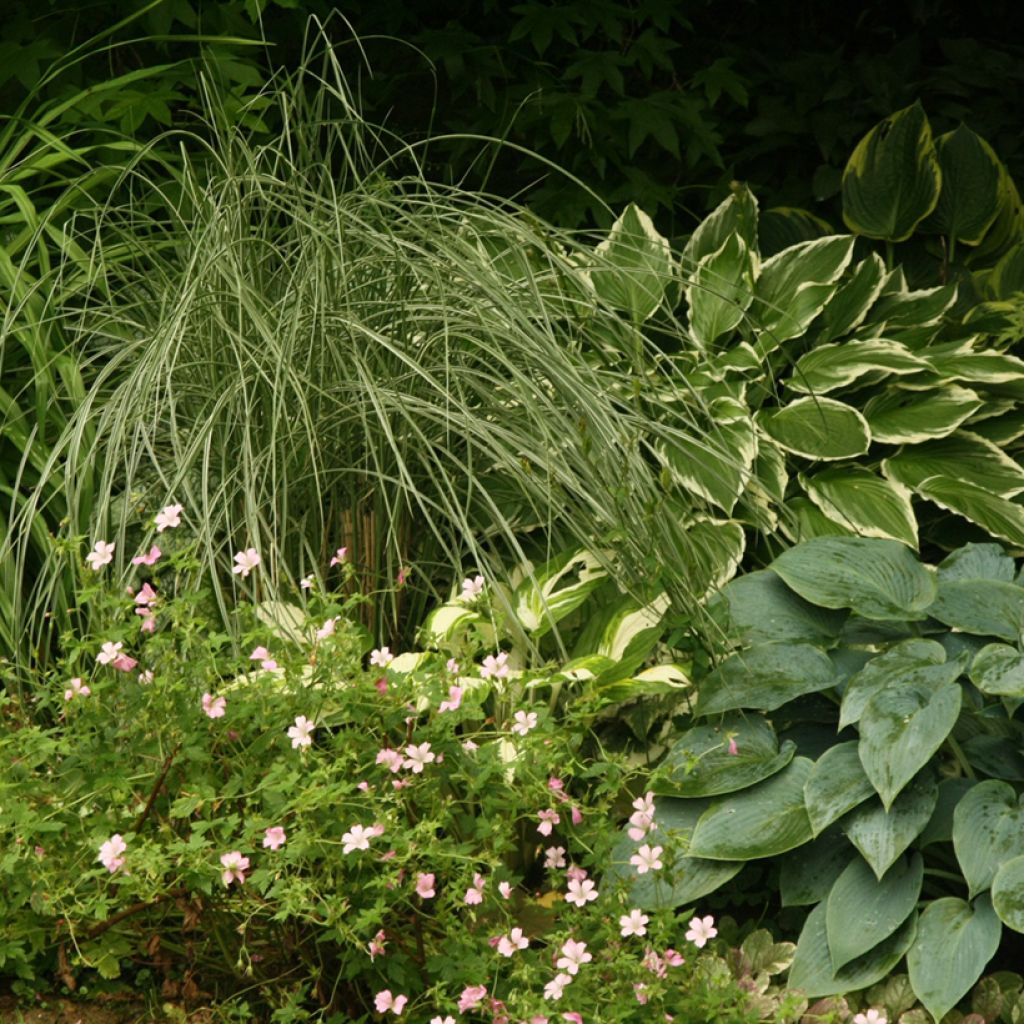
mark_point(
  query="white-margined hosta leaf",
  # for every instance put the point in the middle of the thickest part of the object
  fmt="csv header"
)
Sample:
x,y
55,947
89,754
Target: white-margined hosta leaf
x,y
828,367
905,310
865,502
817,428
555,589
854,297
976,367
902,416
1001,518
736,215
720,290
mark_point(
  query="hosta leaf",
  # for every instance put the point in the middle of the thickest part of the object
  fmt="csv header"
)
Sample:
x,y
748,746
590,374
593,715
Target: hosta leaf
x,y
998,516
783,226
892,179
988,830
940,826
805,521
760,608
911,662
765,677
555,589
837,785
633,628
807,875
812,972
699,763
981,607
795,286
721,289
817,428
977,562
827,367
691,879
976,367
880,835
736,215
864,502
716,549
954,943
763,821
998,670
878,579
906,311
901,416
1008,893
854,297
963,455
900,728
969,198
636,265
863,911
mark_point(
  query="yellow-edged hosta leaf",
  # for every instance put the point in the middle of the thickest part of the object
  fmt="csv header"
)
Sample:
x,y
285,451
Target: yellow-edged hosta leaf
x,y
864,502
827,367
721,289
963,455
817,428
902,416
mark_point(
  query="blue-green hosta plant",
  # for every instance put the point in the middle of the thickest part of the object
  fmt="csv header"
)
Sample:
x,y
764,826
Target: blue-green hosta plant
x,y
863,736
860,405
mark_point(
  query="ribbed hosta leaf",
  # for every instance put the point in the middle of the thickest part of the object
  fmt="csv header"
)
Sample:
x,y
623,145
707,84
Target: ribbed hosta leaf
x,y
963,455
864,502
817,428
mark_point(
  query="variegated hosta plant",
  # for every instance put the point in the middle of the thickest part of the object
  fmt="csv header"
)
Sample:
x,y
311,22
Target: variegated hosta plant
x,y
848,400
863,737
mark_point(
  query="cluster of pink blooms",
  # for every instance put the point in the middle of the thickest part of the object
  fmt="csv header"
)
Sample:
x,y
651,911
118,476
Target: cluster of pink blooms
x,y
145,599
111,654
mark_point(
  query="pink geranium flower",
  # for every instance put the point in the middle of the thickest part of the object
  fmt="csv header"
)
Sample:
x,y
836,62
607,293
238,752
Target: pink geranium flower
x,y
556,986
425,886
301,732
472,588
339,556
275,837
148,559
392,758
385,1001
475,894
262,655
102,554
235,866
454,700
647,858
633,923
574,956
357,838
471,996
246,561
495,666
76,689
214,707
525,721
381,657
554,857
168,518
581,893
417,757
508,944
112,852
701,930
548,819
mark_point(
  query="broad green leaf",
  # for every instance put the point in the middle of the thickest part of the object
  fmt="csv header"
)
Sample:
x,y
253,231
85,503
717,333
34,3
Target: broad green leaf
x,y
954,943
795,286
633,628
783,226
881,835
284,620
817,428
981,607
736,215
827,367
988,830
1002,430
998,670
636,265
812,973
716,550
977,562
691,878
1008,893
850,304
864,502
804,521
999,757
878,579
763,821
905,311
900,728
969,198
806,875
976,367
911,662
837,785
901,416
863,911
760,608
555,589
998,516
721,289
764,678
1006,278
940,826
699,763
961,456
892,179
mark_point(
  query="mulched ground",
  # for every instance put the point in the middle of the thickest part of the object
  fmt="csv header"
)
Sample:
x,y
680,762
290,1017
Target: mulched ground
x,y
113,1009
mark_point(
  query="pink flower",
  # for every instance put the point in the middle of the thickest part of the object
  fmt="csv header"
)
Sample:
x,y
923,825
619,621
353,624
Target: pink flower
x,y
449,1019
146,677
472,588
581,893
576,815
673,959
470,746
392,758
575,873
246,561
471,996
327,629
733,750
306,583
633,923
425,886
417,757
262,655
646,859
235,866
168,518
274,837
148,624
508,944
454,700
701,929
642,818
377,944
102,554
871,1016
76,689
640,991
145,599
403,574
381,657
505,888
357,838
112,851
214,707
123,663
475,894
148,559
525,721
385,1001
574,956
573,1018
653,963
548,819
556,986
300,732
452,665
554,857
495,666
339,556
109,653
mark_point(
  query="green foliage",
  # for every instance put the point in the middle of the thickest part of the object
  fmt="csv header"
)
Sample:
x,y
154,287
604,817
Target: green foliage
x,y
899,794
